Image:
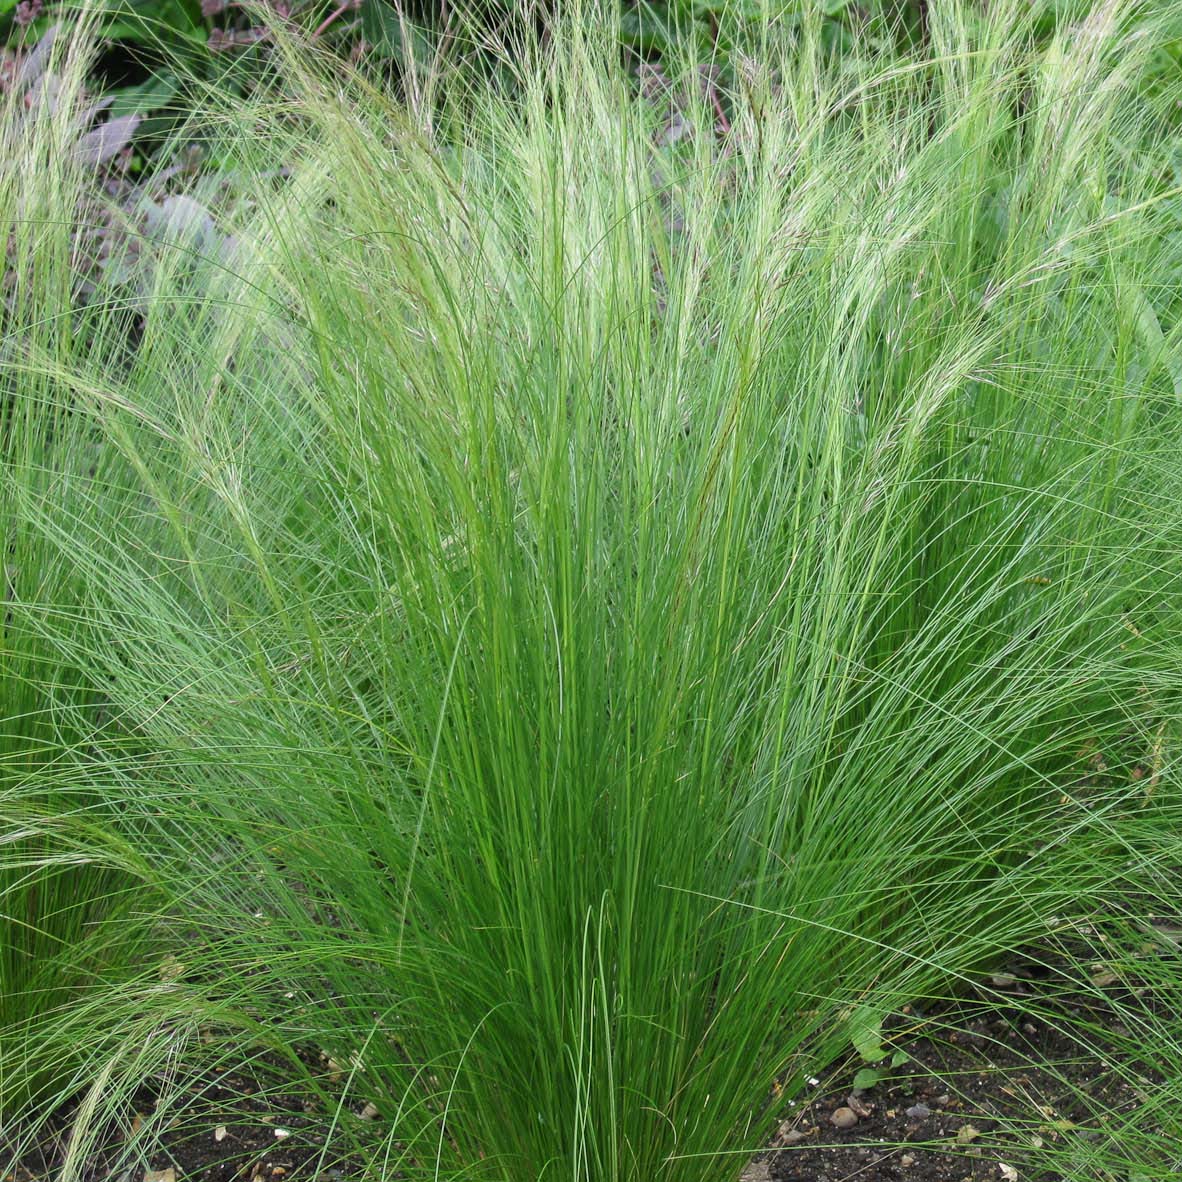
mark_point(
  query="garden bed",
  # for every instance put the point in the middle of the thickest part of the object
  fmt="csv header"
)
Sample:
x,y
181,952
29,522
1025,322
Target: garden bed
x,y
985,1083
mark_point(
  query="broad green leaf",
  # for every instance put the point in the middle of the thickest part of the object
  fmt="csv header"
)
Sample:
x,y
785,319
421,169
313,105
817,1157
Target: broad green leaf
x,y
865,1027
157,92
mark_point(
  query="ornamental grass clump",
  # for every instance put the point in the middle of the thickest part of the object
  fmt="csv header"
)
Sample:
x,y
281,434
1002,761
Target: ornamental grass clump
x,y
73,883
598,616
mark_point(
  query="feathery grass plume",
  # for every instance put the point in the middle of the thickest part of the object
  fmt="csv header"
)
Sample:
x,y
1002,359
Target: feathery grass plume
x,y
88,1004
65,878
612,616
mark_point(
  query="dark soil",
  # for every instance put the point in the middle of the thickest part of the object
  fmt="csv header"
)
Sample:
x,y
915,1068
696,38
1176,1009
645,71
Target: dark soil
x,y
235,1125
987,1080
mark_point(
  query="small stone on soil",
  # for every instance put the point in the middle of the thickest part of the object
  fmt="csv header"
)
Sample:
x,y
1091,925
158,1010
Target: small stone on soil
x,y
844,1118
858,1106
788,1135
